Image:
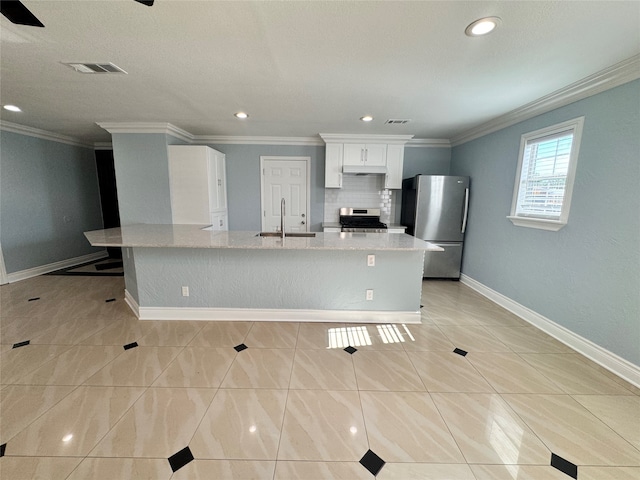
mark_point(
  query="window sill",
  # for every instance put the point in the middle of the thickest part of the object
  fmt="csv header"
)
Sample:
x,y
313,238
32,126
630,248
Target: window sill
x,y
540,223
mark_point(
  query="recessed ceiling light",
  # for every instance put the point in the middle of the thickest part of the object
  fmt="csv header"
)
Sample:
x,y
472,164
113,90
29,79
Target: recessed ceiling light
x,y
12,108
366,118
241,115
482,26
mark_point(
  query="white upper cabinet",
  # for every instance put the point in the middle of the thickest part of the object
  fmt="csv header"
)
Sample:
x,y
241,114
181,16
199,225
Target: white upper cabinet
x,y
374,154
197,178
333,165
384,152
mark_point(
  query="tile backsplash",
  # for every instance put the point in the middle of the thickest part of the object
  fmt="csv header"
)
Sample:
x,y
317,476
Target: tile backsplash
x,y
360,191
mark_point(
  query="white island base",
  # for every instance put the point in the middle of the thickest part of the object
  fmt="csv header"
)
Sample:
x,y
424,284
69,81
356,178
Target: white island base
x,y
236,276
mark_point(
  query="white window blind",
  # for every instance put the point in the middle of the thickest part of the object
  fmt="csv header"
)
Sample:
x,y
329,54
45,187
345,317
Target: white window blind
x,y
546,169
545,165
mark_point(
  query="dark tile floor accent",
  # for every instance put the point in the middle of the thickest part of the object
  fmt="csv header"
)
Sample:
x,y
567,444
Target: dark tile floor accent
x,y
33,299
351,350
131,345
565,466
3,447
459,351
21,344
110,300
180,459
372,462
239,348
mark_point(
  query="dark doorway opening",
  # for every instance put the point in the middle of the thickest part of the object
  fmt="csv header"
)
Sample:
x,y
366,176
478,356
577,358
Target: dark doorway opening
x,y
108,194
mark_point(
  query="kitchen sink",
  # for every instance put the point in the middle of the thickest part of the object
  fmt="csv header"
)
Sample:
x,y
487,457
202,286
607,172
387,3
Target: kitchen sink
x,y
287,234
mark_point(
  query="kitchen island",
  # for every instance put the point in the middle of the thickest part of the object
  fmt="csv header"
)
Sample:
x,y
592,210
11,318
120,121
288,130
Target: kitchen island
x,y
232,275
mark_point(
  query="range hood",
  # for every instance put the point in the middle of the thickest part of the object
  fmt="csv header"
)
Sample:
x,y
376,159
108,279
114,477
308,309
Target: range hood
x,y
365,169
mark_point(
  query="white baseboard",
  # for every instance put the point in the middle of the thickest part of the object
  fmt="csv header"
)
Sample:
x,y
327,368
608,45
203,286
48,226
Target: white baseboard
x,y
603,357
270,315
52,267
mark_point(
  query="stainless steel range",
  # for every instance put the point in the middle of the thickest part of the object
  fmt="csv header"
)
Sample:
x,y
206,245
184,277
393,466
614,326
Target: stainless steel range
x,y
362,220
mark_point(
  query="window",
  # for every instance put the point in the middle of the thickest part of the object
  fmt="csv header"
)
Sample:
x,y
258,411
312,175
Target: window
x,y
544,180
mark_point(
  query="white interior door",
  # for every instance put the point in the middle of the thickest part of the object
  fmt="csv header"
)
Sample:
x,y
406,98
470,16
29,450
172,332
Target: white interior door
x,y
288,178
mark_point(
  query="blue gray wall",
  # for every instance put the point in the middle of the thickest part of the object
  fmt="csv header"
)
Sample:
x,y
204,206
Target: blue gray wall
x,y
585,277
243,182
48,197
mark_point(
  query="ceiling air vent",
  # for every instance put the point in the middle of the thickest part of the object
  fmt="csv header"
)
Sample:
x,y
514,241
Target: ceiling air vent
x,y
396,121
95,68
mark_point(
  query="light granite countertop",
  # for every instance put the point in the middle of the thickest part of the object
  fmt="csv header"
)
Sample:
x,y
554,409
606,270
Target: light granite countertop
x,y
193,236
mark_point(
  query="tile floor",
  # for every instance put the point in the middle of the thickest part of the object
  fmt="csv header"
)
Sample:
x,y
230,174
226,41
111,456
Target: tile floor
x,y
93,393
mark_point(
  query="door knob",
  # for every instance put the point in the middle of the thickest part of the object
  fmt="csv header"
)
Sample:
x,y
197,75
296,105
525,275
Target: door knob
x,y
303,215
302,222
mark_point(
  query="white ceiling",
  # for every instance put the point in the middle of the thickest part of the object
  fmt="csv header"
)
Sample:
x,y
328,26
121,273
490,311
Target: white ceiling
x,y
302,68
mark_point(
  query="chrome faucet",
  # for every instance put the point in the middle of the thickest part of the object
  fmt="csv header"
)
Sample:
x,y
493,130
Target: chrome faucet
x,y
282,213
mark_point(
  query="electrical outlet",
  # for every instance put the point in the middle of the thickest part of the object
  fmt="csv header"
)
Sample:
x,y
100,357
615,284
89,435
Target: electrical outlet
x,y
369,294
371,260
185,291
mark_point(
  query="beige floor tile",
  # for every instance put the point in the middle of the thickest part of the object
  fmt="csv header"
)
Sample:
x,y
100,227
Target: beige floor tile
x,y
241,424
426,338
323,426
159,424
324,370
473,339
22,404
317,335
17,363
487,430
449,315
122,468
572,432
320,470
73,366
119,332
37,468
272,335
448,372
135,367
527,340
390,371
197,367
574,376
406,427
365,337
608,473
169,332
519,472
225,470
221,334
621,413
422,471
73,331
49,434
509,373
260,368
385,337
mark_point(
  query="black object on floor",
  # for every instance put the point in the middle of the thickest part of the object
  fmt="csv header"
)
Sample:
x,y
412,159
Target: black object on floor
x,y
180,459
239,348
351,350
372,462
565,466
130,345
460,352
21,344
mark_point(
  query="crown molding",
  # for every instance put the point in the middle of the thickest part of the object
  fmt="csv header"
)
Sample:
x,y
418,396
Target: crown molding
x,y
429,142
359,138
614,76
231,140
146,127
43,134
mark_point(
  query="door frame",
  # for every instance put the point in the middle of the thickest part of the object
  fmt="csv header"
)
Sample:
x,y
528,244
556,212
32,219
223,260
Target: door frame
x,y
266,158
3,272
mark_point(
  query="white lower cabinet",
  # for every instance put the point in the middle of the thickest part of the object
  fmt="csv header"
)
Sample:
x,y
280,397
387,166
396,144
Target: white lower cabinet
x,y
197,179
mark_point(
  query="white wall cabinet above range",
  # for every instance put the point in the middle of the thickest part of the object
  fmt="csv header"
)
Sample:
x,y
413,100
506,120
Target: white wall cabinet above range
x,y
375,154
365,154
197,177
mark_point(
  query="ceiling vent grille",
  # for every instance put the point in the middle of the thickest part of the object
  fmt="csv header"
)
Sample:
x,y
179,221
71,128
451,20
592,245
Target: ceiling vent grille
x,y
95,68
396,121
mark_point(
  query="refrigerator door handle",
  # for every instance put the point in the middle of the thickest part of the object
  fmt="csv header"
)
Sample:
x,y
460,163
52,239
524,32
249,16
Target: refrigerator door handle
x,y
466,210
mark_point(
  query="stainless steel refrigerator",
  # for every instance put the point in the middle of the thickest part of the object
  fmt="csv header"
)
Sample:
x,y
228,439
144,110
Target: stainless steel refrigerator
x,y
435,209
